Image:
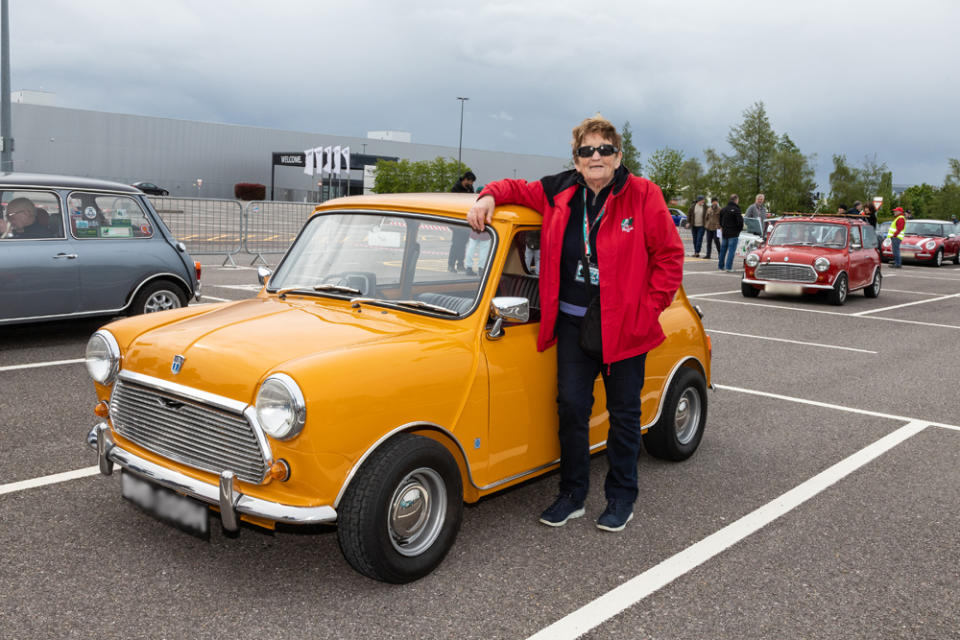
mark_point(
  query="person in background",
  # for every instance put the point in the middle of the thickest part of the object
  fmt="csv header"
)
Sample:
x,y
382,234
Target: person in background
x,y
841,208
608,238
711,224
696,215
895,233
731,224
856,209
758,211
458,244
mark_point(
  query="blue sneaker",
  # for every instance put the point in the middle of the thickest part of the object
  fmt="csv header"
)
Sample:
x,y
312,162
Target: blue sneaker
x,y
616,516
563,508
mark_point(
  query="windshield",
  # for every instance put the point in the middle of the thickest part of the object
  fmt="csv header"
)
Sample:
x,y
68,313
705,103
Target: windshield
x,y
809,234
925,229
751,225
391,259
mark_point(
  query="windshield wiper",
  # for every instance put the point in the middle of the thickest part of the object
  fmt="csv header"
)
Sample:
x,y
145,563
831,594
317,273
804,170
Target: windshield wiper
x,y
337,288
414,304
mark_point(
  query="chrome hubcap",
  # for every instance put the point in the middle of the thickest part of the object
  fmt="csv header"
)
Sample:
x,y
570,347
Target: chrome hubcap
x,y
842,289
417,511
686,420
161,301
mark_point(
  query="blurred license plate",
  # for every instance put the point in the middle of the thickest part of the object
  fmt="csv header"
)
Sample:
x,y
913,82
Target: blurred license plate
x,y
171,507
788,289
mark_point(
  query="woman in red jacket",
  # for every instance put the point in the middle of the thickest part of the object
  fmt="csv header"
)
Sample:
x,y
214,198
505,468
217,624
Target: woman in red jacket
x,y
601,221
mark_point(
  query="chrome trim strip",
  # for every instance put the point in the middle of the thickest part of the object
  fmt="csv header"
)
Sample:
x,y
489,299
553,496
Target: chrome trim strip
x,y
210,493
805,285
188,392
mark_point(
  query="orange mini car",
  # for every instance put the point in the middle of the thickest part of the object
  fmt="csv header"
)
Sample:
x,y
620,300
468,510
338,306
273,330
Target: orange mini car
x,y
366,386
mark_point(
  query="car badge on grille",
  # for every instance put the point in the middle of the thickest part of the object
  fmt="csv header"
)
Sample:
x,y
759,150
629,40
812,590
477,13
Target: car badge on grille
x,y
785,259
177,364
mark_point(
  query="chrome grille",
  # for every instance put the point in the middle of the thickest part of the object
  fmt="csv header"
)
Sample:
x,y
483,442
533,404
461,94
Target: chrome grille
x,y
783,271
187,431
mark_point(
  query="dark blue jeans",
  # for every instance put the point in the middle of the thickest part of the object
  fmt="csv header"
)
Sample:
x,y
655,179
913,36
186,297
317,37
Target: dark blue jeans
x,y
896,251
728,251
697,238
576,372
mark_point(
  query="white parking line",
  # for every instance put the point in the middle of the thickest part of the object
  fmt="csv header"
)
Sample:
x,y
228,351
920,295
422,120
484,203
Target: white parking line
x,y
633,591
715,293
906,304
834,313
807,344
33,483
33,365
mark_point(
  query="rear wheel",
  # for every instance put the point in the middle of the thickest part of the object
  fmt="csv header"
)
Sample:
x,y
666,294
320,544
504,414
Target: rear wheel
x,y
838,295
748,290
678,432
874,289
400,515
158,296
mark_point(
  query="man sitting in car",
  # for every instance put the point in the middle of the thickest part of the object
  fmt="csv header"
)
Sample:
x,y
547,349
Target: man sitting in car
x,y
20,221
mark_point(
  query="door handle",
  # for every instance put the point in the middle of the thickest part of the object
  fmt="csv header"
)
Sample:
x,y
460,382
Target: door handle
x,y
68,256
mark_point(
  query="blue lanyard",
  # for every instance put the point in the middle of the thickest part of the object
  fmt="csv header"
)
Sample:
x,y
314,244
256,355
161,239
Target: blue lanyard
x,y
588,229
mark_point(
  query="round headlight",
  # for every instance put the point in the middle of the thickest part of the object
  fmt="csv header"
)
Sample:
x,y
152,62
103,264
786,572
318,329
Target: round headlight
x,y
887,242
281,408
930,245
752,260
103,357
821,264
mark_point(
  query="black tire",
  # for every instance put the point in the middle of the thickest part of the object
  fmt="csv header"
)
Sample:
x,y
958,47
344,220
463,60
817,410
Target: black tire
x,y
158,296
748,290
873,290
956,258
678,432
938,258
407,471
841,289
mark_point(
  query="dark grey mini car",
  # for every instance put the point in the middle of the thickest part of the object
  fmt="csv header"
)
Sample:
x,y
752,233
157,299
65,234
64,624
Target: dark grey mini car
x,y
76,247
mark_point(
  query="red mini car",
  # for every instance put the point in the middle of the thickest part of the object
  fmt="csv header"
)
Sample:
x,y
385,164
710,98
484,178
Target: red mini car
x,y
926,241
810,254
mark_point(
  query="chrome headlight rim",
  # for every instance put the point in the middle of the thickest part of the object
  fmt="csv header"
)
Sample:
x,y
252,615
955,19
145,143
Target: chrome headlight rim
x,y
112,349
752,260
821,264
298,407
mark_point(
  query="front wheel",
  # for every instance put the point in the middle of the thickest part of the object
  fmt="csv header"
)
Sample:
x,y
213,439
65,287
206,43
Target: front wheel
x,y
678,432
874,289
401,514
748,290
938,258
158,296
838,295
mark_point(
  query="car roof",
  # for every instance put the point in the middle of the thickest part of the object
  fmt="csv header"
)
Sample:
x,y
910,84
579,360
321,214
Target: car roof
x,y
11,180
453,205
931,220
811,217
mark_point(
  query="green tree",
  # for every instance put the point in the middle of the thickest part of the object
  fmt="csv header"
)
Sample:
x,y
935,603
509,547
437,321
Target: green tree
x,y
404,176
631,155
886,192
792,183
665,165
846,184
953,177
754,144
871,175
692,179
717,177
918,199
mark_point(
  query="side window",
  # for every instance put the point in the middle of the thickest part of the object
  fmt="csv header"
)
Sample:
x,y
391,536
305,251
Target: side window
x,y
94,215
31,215
521,271
869,238
855,237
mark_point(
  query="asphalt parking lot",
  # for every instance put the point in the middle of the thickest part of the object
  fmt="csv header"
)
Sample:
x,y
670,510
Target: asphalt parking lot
x,y
822,503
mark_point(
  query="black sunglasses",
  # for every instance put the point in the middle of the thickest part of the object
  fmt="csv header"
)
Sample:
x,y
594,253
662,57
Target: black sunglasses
x,y
604,150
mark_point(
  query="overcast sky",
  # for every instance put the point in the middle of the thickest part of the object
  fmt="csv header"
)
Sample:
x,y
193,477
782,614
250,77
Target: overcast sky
x,y
855,77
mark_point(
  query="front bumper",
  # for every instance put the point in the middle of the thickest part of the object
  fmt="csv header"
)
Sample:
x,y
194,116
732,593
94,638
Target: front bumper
x,y
805,285
225,496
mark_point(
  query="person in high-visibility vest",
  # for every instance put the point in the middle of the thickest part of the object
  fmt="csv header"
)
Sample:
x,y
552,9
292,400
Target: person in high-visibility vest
x,y
895,233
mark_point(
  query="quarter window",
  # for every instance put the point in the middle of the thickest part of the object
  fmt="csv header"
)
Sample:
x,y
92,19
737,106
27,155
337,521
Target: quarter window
x,y
107,216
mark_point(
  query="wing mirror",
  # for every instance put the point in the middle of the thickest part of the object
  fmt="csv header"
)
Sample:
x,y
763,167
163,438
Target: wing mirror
x,y
507,309
263,274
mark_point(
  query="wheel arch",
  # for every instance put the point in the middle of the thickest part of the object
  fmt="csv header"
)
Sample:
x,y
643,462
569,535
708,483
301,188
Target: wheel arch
x,y
427,430
690,362
156,277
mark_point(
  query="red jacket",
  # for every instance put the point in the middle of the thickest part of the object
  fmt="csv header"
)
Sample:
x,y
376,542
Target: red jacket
x,y
639,254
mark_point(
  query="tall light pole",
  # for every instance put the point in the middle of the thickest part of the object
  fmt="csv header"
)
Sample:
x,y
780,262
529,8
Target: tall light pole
x,y
6,135
460,147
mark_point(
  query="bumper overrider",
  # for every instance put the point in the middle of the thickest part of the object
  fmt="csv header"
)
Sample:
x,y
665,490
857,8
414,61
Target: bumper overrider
x,y
225,496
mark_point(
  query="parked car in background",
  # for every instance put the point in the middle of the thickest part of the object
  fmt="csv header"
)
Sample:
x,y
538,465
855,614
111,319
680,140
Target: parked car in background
x,y
93,248
151,189
679,218
818,253
930,241
882,229
365,386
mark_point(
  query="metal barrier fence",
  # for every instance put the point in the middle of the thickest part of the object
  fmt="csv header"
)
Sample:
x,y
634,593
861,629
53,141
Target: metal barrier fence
x,y
229,228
